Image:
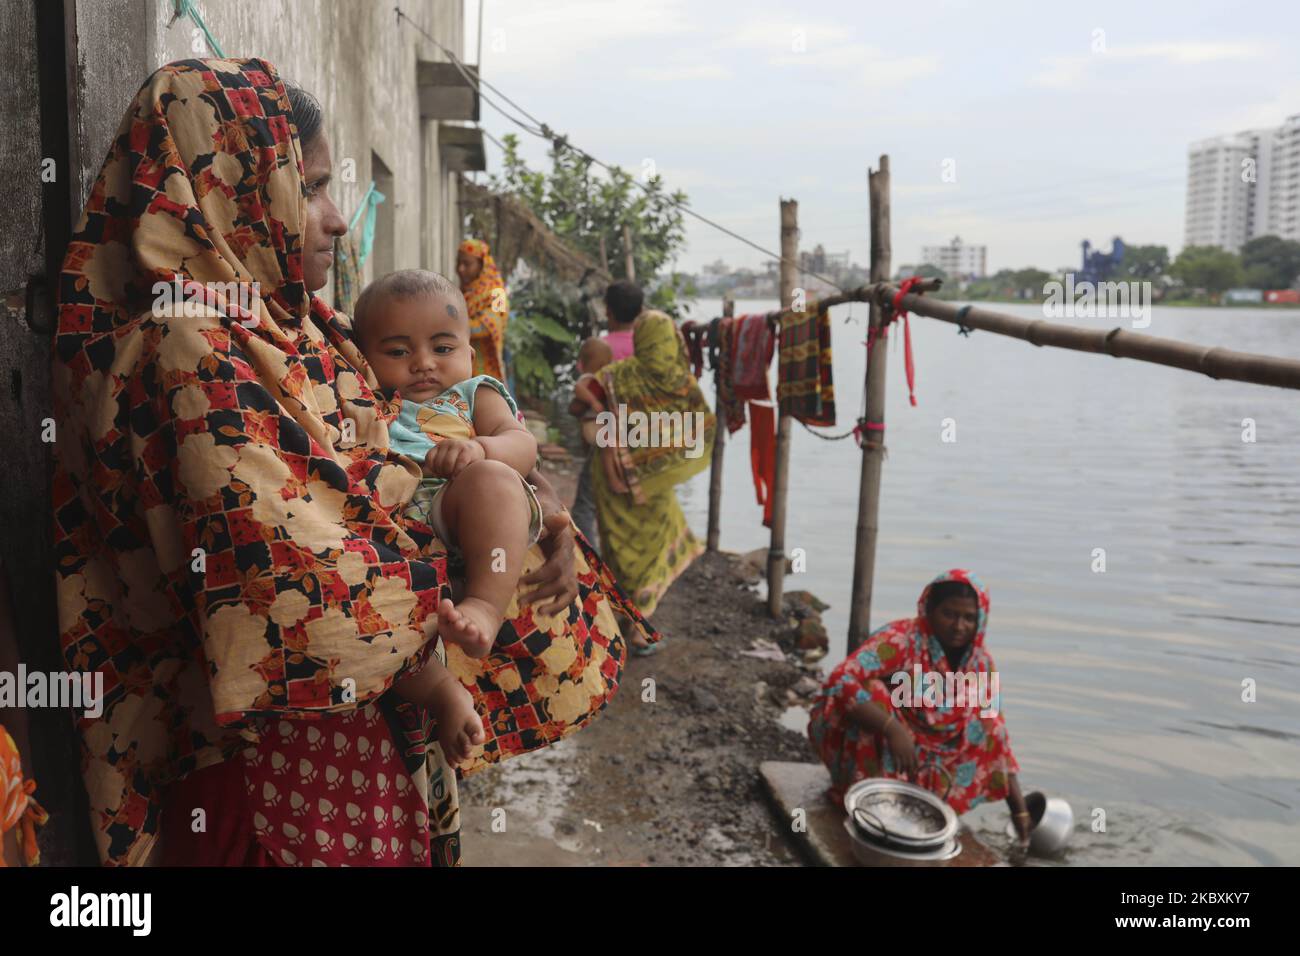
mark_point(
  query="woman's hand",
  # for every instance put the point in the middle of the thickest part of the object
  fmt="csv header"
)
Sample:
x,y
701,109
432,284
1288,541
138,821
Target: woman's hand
x,y
903,747
556,578
448,458
1019,811
1022,825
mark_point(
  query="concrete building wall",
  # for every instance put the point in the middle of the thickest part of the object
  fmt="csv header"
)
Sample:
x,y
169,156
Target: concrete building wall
x,y
354,56
27,633
20,149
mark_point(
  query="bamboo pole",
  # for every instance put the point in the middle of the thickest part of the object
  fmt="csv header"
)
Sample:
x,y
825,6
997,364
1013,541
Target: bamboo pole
x,y
1217,363
873,446
781,476
719,440
630,263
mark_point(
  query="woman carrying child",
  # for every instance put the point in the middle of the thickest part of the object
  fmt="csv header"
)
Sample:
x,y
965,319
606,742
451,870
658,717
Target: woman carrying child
x,y
643,532
233,554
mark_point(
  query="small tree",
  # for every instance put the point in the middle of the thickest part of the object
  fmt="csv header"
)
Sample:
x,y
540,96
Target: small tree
x,y
1270,262
1143,263
587,209
1207,267
584,206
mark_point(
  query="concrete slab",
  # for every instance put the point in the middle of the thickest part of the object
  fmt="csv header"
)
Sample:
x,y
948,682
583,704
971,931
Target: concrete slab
x,y
803,786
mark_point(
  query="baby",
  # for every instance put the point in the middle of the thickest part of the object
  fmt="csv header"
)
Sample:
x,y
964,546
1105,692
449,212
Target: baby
x,y
589,400
413,328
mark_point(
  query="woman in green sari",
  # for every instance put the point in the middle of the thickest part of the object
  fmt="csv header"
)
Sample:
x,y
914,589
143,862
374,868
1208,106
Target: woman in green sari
x,y
660,431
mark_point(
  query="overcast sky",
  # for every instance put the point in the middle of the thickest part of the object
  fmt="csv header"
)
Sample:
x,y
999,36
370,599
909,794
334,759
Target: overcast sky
x,y
1061,121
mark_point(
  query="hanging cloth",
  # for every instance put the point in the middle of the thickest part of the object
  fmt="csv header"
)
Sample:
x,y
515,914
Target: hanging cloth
x,y
805,386
762,455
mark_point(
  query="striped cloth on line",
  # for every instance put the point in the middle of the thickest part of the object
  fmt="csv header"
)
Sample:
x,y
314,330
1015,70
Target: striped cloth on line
x,y
805,389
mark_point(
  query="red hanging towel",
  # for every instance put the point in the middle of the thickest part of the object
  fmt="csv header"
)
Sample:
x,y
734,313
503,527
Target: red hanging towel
x,y
753,347
762,455
899,312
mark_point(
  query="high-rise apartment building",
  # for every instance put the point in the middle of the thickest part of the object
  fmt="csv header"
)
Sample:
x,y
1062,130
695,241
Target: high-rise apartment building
x,y
957,259
1244,185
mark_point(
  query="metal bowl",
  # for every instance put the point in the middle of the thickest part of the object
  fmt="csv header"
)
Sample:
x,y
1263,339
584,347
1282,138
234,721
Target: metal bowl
x,y
1051,823
870,853
897,814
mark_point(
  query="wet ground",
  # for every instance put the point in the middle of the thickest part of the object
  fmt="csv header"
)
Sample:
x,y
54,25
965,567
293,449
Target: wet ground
x,y
668,775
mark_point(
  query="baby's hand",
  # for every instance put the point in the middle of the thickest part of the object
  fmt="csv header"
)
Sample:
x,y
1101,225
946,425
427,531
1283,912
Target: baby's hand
x,y
449,457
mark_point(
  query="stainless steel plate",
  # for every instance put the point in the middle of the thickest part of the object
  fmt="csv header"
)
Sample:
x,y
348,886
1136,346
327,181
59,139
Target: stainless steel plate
x,y
895,812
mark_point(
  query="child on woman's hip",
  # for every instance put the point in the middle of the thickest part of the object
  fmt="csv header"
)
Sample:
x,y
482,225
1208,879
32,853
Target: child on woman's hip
x,y
413,328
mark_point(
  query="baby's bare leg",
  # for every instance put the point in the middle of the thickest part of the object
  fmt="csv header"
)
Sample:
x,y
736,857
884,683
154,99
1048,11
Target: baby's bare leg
x,y
486,509
460,729
421,688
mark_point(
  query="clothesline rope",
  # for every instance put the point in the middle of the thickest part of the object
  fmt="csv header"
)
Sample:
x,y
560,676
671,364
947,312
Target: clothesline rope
x,y
892,304
185,8
542,131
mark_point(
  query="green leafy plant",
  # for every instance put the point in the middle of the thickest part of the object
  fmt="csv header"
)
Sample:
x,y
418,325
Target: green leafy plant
x,y
591,210
546,325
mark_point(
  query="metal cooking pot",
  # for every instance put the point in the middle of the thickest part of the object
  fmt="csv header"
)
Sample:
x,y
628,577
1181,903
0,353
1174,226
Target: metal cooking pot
x,y
1051,823
869,853
897,815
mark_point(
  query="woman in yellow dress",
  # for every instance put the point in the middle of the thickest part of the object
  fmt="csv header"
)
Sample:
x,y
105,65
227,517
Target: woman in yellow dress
x,y
489,306
643,532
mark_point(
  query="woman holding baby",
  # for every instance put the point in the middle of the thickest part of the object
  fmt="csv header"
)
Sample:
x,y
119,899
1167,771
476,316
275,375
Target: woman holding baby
x,y
643,531
234,551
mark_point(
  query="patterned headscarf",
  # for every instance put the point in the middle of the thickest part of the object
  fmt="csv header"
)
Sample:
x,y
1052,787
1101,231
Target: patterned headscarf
x,y
903,669
489,310
932,657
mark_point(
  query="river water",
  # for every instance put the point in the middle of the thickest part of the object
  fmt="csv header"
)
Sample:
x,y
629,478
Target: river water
x,y
1123,688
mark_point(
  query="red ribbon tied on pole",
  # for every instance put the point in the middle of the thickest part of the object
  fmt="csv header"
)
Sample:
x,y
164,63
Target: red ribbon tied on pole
x,y
901,313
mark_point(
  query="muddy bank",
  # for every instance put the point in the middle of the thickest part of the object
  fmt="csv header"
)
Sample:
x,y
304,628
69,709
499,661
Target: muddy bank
x,y
669,773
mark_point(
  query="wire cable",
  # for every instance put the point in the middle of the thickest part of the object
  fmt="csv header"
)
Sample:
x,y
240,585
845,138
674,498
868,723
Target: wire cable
x,y
541,130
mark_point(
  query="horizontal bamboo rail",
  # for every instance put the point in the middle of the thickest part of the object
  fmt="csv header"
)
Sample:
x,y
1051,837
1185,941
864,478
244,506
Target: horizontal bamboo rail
x,y
1218,363
874,292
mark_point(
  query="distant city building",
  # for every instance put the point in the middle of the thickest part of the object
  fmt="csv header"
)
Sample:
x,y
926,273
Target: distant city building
x,y
1244,185
957,259
1099,266
819,260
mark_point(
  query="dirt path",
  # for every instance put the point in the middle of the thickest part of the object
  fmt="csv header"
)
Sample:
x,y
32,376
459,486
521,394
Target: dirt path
x,y
669,773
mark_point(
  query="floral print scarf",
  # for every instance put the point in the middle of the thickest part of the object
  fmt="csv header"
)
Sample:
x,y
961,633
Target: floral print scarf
x,y
489,309
228,531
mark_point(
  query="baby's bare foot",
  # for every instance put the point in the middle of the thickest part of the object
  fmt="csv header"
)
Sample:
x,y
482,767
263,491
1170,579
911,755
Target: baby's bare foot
x,y
471,625
460,729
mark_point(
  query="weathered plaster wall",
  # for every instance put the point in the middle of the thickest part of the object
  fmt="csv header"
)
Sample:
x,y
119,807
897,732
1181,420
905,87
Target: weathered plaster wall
x,y
360,63
24,402
20,149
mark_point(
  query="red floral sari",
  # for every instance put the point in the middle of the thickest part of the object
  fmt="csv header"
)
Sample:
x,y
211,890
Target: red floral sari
x,y
962,747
